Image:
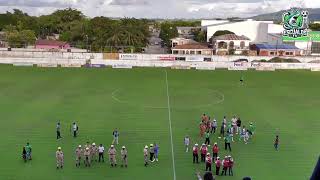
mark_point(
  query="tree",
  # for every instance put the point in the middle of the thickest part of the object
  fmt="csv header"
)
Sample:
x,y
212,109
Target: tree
x,y
223,32
314,27
27,36
200,36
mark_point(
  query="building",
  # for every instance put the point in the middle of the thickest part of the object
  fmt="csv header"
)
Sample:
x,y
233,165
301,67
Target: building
x,y
230,44
276,50
3,42
181,41
192,49
256,31
310,44
187,32
51,44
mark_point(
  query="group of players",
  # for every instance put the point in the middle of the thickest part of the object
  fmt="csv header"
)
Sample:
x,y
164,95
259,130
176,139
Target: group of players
x,y
227,131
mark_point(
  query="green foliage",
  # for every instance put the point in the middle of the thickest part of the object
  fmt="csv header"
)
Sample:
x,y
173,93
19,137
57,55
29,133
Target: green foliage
x,y
22,38
200,36
231,51
314,27
75,28
220,33
283,60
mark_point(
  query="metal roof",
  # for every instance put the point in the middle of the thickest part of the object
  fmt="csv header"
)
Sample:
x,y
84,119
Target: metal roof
x,y
273,47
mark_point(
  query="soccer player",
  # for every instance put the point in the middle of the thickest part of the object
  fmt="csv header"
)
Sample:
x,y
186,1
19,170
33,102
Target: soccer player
x,y
204,151
58,128
204,118
75,129
241,79
230,165
251,129
78,155
208,162
151,151
215,150
243,134
115,135
218,165
238,125
195,153
145,154
94,151
234,124
225,164
101,152
124,157
230,131
246,137
227,142
156,152
276,142
214,126
24,154
202,129
186,143
87,160
60,158
223,126
207,136
112,156
28,148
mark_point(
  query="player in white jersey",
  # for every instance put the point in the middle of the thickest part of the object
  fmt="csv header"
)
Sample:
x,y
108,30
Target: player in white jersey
x,y
187,143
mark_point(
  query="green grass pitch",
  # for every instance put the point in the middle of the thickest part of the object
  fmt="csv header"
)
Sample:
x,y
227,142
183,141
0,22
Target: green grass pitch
x,y
32,100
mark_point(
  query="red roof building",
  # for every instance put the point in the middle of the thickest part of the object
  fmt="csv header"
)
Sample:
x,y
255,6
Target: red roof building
x,y
51,44
192,49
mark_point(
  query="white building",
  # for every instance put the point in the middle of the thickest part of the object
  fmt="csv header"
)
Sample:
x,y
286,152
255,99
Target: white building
x,y
181,41
256,31
228,43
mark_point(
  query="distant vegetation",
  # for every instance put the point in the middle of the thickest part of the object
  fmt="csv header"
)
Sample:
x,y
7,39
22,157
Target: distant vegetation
x,y
99,33
168,29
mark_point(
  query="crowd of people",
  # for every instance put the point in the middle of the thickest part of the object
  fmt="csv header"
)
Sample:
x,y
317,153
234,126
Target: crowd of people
x,y
228,131
91,153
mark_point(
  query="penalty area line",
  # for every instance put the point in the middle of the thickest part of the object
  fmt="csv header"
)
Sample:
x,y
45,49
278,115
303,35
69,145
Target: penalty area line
x,y
170,128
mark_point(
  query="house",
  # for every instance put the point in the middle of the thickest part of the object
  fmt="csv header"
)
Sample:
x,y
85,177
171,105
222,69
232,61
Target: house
x,y
51,44
181,41
187,32
230,44
192,49
276,50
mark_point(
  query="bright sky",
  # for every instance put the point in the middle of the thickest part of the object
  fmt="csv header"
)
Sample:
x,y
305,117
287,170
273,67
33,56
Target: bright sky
x,y
159,8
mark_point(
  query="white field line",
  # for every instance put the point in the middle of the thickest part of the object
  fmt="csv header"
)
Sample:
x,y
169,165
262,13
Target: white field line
x,y
221,100
170,127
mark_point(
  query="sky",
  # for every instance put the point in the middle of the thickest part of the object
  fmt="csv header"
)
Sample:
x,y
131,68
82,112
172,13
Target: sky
x,y
159,8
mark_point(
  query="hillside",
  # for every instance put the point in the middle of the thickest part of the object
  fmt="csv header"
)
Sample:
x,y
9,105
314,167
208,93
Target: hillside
x,y
314,15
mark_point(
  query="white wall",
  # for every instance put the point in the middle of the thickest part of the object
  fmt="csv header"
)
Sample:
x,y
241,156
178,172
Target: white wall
x,y
25,54
256,31
275,29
